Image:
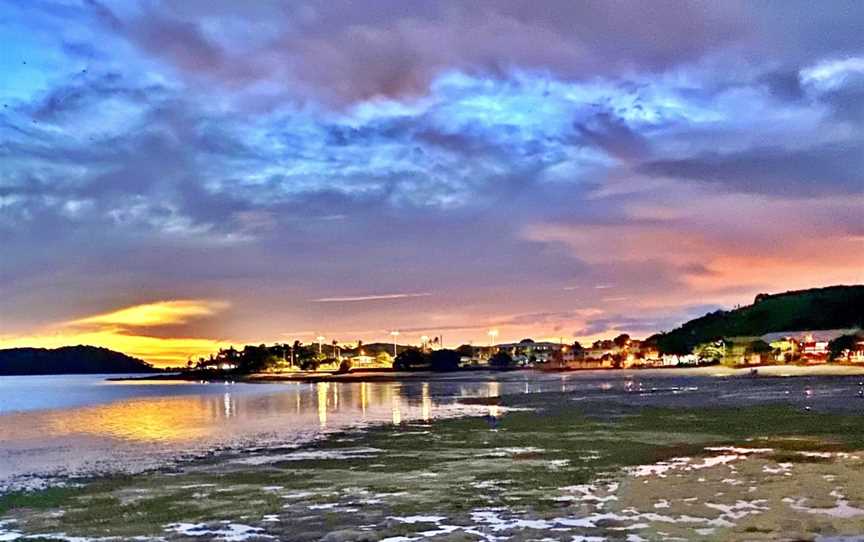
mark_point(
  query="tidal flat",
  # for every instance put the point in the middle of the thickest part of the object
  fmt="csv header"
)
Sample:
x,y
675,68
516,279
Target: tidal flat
x,y
652,464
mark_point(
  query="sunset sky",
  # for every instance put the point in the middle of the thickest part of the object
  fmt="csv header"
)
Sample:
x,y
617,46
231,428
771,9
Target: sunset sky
x,y
175,176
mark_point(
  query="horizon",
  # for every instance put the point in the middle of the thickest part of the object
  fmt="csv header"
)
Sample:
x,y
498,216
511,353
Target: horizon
x,y
178,178
421,339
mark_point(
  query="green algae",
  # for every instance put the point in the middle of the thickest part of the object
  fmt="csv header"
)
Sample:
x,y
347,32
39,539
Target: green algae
x,y
453,468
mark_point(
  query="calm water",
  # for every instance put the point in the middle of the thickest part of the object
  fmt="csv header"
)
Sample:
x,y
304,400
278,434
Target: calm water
x,y
54,426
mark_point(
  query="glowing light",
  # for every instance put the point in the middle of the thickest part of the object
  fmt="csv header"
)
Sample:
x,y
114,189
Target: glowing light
x,y
161,352
492,334
322,389
426,402
394,334
116,330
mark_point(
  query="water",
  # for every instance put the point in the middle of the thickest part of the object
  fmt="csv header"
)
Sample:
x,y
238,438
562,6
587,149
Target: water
x,y
589,455
53,427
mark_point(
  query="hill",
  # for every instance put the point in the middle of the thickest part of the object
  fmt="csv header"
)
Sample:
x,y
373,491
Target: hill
x,y
69,360
833,307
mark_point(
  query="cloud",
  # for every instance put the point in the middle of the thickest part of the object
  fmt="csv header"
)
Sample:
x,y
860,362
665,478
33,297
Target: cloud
x,y
130,330
640,325
835,168
377,297
613,136
161,352
832,73
160,313
495,153
385,49
712,243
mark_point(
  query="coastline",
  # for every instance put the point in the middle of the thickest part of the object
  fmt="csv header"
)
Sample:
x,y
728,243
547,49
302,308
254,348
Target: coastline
x,y
408,376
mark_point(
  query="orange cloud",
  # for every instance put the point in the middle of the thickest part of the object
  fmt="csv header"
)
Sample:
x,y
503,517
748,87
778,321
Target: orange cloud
x,y
120,330
159,313
718,248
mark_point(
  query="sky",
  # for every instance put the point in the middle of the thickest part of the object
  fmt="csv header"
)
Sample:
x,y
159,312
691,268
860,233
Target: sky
x,y
179,176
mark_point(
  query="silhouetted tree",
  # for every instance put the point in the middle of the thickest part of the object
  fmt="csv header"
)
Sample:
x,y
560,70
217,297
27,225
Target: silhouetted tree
x,y
410,359
621,340
306,356
839,346
501,360
444,360
465,350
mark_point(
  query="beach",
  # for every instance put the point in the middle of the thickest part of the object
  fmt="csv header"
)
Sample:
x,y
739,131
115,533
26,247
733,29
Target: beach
x,y
606,454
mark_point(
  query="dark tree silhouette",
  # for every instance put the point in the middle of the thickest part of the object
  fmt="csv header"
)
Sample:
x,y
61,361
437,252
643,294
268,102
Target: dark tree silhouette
x,y
410,359
839,346
501,360
444,360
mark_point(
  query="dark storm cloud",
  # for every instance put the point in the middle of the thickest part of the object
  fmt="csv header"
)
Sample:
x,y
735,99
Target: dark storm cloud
x,y
612,135
785,84
771,170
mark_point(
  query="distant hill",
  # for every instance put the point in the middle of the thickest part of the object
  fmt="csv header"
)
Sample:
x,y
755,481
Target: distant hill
x,y
69,360
833,307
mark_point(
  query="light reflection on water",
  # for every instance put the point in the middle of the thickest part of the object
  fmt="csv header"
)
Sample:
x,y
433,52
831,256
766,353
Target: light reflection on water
x,y
143,428
71,423
189,417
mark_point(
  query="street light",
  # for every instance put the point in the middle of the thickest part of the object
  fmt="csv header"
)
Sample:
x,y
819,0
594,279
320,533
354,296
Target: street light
x,y
395,334
492,334
424,342
320,340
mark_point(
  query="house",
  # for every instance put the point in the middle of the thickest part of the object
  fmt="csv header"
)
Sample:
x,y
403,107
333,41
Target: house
x,y
364,360
787,349
528,352
814,349
675,360
857,354
361,361
747,351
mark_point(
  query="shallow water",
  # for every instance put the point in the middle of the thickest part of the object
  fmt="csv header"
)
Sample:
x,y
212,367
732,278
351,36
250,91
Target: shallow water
x,y
597,454
53,427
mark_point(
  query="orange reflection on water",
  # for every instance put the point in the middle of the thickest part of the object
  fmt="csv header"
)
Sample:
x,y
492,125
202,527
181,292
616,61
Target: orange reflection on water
x,y
322,403
221,414
162,419
494,390
425,403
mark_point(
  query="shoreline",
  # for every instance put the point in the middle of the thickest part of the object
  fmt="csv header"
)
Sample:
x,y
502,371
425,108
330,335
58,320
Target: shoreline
x,y
567,478
388,375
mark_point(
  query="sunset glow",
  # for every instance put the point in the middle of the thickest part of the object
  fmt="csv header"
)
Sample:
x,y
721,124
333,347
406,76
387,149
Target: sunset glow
x,y
126,330
176,177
